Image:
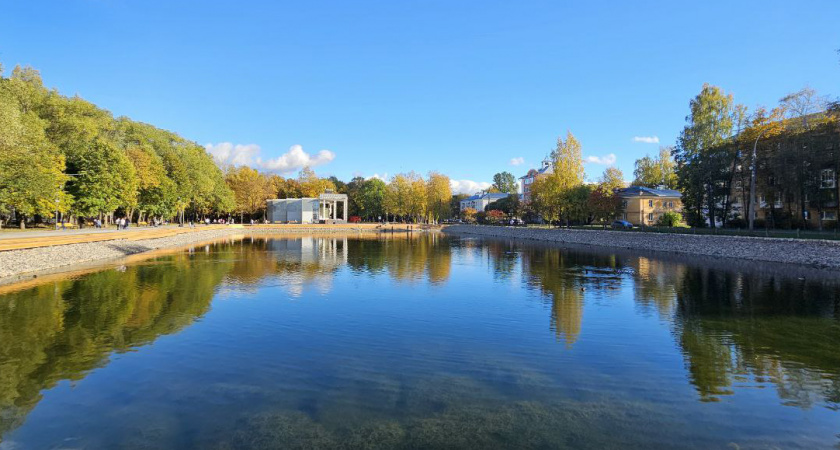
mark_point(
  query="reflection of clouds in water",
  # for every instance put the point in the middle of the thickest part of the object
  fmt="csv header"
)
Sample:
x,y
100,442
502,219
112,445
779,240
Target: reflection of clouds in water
x,y
296,284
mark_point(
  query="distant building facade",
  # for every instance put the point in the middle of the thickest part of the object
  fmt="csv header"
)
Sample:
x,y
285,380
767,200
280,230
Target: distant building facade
x,y
546,167
327,208
816,205
480,201
644,206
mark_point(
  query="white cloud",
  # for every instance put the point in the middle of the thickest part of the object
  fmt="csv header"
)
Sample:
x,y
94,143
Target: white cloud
x,y
646,139
383,177
238,155
296,159
517,161
606,160
468,186
226,153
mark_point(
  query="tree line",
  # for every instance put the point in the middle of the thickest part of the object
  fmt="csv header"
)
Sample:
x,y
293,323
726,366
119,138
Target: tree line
x,y
783,159
726,162
406,197
63,156
561,196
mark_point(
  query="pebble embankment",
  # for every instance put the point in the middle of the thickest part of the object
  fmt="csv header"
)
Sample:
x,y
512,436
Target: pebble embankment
x,y
18,265
811,253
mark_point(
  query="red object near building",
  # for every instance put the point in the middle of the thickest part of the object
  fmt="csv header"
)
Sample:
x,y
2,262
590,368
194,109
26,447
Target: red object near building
x,y
355,219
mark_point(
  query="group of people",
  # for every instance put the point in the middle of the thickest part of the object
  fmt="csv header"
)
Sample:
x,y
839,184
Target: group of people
x,y
122,223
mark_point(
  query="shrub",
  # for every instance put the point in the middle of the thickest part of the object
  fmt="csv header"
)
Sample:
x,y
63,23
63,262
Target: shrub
x,y
670,219
737,223
468,215
355,219
494,216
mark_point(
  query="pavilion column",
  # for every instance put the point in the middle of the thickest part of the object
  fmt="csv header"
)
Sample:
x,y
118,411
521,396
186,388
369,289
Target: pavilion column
x,y
345,210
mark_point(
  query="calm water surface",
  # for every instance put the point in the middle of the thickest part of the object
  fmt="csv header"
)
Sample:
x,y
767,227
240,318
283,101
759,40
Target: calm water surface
x,y
420,343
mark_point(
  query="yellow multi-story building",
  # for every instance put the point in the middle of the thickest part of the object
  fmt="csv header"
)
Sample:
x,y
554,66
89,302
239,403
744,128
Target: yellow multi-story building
x,y
644,206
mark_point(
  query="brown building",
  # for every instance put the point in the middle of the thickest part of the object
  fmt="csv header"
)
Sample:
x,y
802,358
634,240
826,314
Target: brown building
x,y
644,206
816,206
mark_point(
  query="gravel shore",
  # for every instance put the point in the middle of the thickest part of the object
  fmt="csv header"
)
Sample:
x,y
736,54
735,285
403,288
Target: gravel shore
x,y
15,263
811,253
18,265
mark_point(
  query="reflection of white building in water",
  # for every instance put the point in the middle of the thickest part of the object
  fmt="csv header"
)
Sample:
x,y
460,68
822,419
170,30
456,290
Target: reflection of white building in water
x,y
327,253
314,261
327,208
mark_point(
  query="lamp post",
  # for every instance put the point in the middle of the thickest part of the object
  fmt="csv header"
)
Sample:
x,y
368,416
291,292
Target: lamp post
x,y
752,179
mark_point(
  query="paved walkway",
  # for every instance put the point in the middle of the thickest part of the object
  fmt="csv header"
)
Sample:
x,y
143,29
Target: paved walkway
x,y
41,232
19,240
35,239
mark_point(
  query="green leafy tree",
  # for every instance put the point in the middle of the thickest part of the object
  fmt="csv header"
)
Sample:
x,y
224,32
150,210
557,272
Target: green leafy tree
x,y
603,203
656,171
353,189
505,182
509,205
372,198
106,180
31,169
699,161
455,204
670,219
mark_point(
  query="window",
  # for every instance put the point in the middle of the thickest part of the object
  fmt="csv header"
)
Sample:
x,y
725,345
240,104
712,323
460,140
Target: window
x,y
827,179
828,215
670,204
650,203
624,204
806,215
771,180
777,200
650,217
738,184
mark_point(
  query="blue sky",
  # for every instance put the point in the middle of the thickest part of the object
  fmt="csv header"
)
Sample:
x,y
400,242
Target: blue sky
x,y
464,88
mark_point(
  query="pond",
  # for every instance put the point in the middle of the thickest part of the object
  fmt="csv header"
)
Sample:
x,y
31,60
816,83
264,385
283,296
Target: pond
x,y
420,342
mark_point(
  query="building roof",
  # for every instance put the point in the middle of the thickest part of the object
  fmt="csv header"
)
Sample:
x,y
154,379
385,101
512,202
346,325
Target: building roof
x,y
641,191
546,167
490,196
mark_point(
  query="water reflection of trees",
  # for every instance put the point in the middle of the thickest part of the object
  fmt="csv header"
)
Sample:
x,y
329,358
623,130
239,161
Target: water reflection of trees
x,y
562,276
403,258
298,262
735,327
62,330
732,326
